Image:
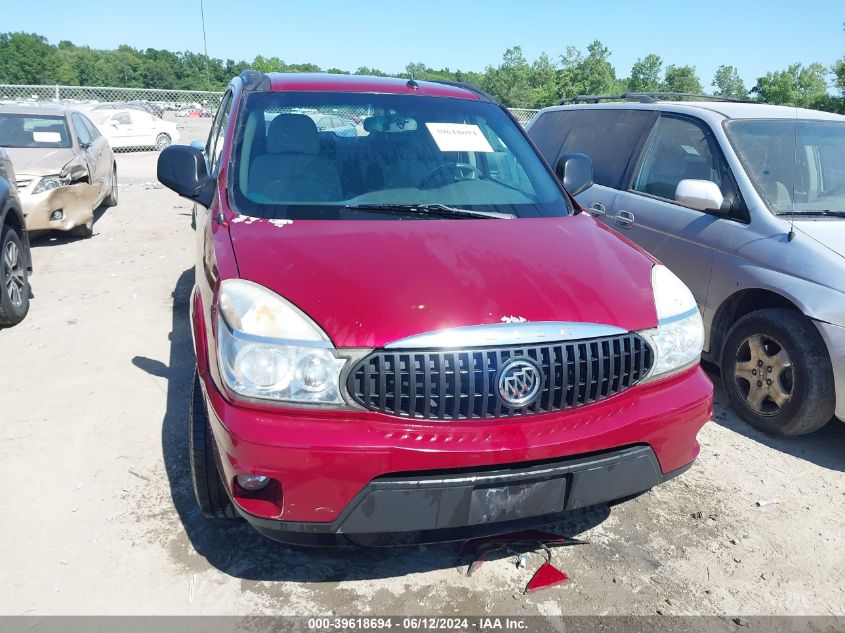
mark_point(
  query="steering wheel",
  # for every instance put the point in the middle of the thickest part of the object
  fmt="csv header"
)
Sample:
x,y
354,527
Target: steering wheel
x,y
461,171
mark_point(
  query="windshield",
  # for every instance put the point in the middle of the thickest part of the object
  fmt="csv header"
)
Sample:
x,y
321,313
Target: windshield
x,y
796,165
319,155
33,130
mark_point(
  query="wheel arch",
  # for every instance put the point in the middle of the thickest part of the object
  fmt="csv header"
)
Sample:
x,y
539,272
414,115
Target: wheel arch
x,y
13,217
737,306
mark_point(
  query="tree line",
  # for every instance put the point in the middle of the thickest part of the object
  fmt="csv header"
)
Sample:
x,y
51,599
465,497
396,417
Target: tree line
x,y
28,58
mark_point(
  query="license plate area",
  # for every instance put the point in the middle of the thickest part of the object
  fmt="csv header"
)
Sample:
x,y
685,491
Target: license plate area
x,y
491,504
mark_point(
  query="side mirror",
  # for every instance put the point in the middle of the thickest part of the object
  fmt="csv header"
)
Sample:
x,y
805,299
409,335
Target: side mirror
x,y
182,169
575,172
702,195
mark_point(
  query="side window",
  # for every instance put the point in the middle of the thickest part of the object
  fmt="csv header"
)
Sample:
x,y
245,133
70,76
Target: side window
x,y
83,134
550,130
680,149
122,118
214,147
92,129
610,137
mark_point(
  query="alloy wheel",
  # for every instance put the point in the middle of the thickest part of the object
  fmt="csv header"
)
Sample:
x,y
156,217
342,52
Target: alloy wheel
x,y
763,374
13,274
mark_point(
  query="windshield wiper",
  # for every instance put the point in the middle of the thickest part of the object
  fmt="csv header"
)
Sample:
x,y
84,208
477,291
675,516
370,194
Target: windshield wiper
x,y
440,210
827,213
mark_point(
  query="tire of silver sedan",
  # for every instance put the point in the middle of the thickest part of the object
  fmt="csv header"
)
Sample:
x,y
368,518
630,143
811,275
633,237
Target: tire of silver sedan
x,y
14,294
111,199
777,373
212,497
162,140
83,230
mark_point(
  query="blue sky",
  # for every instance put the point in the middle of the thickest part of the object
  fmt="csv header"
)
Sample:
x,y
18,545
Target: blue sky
x,y
753,35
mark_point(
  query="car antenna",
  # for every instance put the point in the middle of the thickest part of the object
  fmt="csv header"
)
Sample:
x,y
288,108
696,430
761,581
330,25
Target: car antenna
x,y
791,235
412,83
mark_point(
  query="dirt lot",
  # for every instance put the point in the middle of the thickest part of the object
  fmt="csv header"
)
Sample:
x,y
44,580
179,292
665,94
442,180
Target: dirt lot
x,y
99,517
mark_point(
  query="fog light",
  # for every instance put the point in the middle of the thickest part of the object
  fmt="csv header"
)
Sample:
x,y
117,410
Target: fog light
x,y
252,482
57,215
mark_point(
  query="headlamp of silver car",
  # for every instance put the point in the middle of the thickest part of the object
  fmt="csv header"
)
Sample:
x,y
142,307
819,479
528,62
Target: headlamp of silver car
x,y
269,349
679,337
53,181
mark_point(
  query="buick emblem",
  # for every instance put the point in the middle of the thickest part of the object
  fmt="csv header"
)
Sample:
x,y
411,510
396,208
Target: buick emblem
x,y
519,382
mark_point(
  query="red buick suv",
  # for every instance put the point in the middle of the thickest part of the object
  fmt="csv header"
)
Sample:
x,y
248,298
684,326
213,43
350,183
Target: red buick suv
x,y
404,324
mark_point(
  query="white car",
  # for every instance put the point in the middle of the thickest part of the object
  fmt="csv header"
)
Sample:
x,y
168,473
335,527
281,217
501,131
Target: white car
x,y
134,128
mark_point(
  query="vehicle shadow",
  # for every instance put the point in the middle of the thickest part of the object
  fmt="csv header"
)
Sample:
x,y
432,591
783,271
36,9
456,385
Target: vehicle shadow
x,y
234,547
823,447
39,239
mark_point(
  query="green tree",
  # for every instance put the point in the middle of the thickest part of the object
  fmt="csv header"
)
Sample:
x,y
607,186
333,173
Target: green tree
x,y
681,79
510,81
728,83
595,73
25,58
543,81
267,65
797,85
645,74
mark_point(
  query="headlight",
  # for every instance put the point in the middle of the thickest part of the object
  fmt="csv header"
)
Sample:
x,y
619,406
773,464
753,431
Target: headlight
x,y
51,182
270,349
679,336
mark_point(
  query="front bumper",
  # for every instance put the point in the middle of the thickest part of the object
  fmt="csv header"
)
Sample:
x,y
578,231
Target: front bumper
x,y
359,473
834,338
75,201
452,505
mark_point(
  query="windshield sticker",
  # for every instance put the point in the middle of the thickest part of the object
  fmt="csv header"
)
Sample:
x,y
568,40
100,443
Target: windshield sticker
x,y
47,137
691,150
458,137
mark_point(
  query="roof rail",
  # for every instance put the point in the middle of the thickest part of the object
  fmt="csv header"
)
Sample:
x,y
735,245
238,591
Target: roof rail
x,y
646,97
254,80
466,86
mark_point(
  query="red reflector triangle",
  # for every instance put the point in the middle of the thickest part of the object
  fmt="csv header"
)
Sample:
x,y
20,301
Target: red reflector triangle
x,y
547,576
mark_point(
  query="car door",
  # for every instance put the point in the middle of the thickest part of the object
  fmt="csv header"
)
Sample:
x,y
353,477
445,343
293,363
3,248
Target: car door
x,y
685,239
122,129
102,153
92,149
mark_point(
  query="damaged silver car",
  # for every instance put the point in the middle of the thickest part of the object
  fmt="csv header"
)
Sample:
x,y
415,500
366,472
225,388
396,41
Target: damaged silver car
x,y
65,168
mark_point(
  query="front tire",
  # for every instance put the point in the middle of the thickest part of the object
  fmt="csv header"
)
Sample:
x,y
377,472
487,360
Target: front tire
x,y
14,293
111,199
211,496
162,140
83,231
777,373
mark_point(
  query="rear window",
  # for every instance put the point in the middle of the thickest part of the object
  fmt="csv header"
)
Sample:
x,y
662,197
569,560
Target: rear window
x,y
609,137
33,130
317,155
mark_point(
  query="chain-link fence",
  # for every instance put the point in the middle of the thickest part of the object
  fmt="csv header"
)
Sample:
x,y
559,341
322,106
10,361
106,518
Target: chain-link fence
x,y
145,118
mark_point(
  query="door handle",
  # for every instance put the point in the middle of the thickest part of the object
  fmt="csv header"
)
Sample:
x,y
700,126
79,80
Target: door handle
x,y
625,219
597,210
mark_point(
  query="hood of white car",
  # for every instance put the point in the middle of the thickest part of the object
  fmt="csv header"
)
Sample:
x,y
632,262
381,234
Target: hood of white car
x,y
829,232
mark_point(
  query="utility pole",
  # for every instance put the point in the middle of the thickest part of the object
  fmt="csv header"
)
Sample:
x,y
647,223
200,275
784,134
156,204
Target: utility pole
x,y
205,47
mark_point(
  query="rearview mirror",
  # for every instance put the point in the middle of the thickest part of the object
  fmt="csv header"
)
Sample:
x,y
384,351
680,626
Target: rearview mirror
x,y
575,172
182,169
702,195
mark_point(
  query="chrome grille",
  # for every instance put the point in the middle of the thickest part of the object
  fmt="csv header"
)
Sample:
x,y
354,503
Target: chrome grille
x,y
22,183
462,384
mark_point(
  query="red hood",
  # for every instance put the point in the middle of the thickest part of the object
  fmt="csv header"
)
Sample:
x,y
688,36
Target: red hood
x,y
367,283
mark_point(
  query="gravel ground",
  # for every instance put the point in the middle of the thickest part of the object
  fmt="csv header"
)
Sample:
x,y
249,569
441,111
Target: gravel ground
x,y
99,516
